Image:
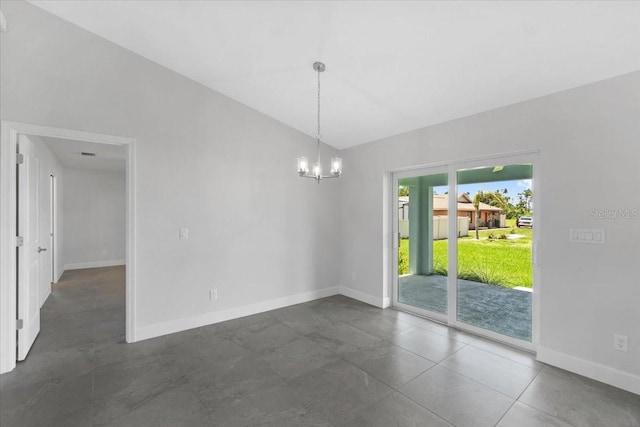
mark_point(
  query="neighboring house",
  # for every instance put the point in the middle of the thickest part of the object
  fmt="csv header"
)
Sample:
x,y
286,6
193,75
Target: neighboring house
x,y
465,209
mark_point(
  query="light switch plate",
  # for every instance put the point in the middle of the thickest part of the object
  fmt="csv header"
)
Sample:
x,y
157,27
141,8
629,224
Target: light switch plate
x,y
587,235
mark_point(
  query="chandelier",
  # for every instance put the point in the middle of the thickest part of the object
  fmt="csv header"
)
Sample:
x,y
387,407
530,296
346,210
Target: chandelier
x,y
303,163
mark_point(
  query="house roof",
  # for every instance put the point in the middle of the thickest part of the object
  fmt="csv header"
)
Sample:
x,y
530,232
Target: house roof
x,y
441,203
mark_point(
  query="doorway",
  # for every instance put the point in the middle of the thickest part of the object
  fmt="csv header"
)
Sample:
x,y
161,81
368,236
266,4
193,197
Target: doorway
x,y
493,291
10,286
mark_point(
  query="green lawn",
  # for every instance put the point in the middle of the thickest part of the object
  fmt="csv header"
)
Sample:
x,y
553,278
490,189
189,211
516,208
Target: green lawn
x,y
497,261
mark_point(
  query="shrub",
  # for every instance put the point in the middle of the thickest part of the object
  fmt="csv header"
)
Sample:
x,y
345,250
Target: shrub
x,y
441,271
403,258
487,275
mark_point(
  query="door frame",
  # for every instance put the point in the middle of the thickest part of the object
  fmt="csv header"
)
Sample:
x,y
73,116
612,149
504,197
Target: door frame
x,y
452,167
9,132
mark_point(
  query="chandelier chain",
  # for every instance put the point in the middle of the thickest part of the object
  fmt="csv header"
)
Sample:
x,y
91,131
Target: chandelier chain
x,y
319,135
336,162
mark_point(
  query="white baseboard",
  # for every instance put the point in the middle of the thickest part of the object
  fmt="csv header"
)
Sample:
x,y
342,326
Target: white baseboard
x,y
165,328
93,264
45,296
366,298
60,273
589,369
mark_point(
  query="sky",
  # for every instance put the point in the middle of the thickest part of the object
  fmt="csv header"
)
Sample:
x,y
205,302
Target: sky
x,y
513,188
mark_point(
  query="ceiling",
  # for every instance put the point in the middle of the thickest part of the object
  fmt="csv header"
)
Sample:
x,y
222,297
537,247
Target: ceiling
x,y
392,67
108,157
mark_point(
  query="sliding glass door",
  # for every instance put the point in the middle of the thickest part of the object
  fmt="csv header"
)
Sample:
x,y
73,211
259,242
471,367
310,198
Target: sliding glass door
x,y
422,245
475,219
494,255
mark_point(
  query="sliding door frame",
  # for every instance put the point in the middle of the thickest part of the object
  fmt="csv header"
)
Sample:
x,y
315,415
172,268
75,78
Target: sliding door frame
x,y
452,168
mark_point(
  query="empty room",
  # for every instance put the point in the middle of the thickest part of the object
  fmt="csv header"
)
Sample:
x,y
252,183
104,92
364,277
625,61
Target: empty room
x,y
323,213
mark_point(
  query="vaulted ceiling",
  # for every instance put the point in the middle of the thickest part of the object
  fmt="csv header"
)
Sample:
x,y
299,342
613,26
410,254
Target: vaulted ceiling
x,y
391,66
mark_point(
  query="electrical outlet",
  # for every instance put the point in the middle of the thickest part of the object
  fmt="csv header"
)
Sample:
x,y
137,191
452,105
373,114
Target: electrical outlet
x,y
213,294
620,342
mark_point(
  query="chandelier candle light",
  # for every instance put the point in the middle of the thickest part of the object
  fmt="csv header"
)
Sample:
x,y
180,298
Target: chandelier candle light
x,y
303,163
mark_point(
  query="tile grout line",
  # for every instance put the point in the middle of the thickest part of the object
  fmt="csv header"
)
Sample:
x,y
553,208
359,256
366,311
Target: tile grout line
x,y
421,405
533,407
343,359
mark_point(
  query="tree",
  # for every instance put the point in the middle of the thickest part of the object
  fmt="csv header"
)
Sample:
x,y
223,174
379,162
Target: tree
x,y
496,198
403,190
476,204
525,199
500,201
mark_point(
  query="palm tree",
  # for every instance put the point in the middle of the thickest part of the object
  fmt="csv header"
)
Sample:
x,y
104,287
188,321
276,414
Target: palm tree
x,y
502,204
476,204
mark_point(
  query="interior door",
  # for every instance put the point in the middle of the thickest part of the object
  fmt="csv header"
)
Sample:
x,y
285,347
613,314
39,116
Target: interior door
x,y
46,231
29,253
52,227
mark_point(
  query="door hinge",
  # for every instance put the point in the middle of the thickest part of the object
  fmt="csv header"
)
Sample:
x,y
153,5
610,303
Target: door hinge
x,y
19,159
19,324
19,241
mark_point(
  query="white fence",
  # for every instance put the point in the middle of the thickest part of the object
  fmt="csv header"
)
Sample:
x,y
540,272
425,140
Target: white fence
x,y
440,227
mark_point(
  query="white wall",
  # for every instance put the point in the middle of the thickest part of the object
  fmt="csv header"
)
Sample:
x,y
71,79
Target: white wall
x,y
257,232
589,141
94,212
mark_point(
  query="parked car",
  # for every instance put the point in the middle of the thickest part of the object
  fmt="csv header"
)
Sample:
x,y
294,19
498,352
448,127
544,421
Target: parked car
x,y
524,221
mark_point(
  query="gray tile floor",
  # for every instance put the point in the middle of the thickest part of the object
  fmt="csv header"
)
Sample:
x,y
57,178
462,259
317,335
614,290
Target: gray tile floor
x,y
330,362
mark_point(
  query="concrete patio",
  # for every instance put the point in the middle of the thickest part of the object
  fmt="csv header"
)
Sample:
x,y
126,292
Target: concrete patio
x,y
498,309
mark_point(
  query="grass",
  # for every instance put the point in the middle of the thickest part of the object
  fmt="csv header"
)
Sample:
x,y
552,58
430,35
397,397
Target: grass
x,y
493,260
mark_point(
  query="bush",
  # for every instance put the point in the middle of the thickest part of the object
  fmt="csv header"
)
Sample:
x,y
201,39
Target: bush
x,y
440,271
403,258
485,274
